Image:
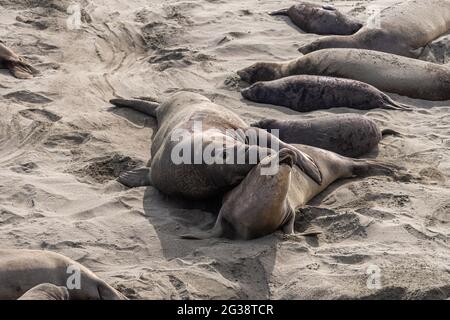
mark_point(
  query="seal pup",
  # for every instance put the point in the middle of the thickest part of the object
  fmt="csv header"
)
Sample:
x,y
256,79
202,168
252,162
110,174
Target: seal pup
x,y
46,291
386,72
349,135
207,126
404,28
16,64
21,270
262,204
307,93
320,19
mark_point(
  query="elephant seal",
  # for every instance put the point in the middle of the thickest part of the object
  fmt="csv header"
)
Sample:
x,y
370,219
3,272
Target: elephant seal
x,y
21,270
190,121
16,64
307,93
387,72
320,19
46,291
404,28
349,135
263,204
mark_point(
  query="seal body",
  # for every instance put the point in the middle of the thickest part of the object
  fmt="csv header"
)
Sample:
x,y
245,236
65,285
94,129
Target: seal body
x,y
212,137
320,19
403,28
307,93
263,204
349,135
46,291
21,270
387,72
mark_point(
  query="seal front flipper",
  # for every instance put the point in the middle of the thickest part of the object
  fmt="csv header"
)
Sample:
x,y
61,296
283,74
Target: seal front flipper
x,y
147,107
136,178
308,166
282,12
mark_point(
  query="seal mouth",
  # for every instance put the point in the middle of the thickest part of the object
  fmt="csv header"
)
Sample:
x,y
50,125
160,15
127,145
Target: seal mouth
x,y
244,75
287,158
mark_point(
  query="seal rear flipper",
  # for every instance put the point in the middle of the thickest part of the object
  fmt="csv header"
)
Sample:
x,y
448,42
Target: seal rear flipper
x,y
106,292
366,168
281,12
147,107
390,132
21,70
391,104
136,178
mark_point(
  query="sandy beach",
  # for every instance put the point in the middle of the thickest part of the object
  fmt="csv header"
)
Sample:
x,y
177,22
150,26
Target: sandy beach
x,y
62,145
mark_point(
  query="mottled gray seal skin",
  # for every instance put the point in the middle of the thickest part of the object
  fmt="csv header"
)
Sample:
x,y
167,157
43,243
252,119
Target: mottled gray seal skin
x,y
21,270
404,28
307,93
263,204
387,72
16,64
46,291
349,135
185,110
320,19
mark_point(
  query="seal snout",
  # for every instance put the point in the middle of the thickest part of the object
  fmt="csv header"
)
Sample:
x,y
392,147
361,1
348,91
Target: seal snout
x,y
246,92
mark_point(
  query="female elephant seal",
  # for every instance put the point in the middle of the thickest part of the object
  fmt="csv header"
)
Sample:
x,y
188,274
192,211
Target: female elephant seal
x,y
320,19
403,28
46,291
16,64
263,204
387,72
307,93
189,121
21,270
350,135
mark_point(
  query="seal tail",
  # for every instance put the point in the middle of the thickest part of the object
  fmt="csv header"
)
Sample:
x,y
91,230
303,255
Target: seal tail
x,y
215,232
147,107
281,12
390,104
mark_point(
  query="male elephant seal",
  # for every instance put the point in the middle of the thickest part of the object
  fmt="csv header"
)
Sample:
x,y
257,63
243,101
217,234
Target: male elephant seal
x,y
189,121
46,291
16,64
387,72
320,19
350,135
402,29
263,204
307,93
21,270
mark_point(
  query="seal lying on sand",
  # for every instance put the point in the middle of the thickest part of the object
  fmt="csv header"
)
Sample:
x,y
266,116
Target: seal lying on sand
x,y
16,64
387,72
263,204
350,135
189,121
46,291
21,270
307,93
402,29
320,19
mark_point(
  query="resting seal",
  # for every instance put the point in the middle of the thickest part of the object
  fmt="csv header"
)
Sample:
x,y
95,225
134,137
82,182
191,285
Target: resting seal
x,y
349,135
307,93
263,204
21,270
320,19
184,111
46,291
387,72
402,29
16,64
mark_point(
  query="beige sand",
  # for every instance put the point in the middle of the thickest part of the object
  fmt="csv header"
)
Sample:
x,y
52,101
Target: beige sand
x,y
61,147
